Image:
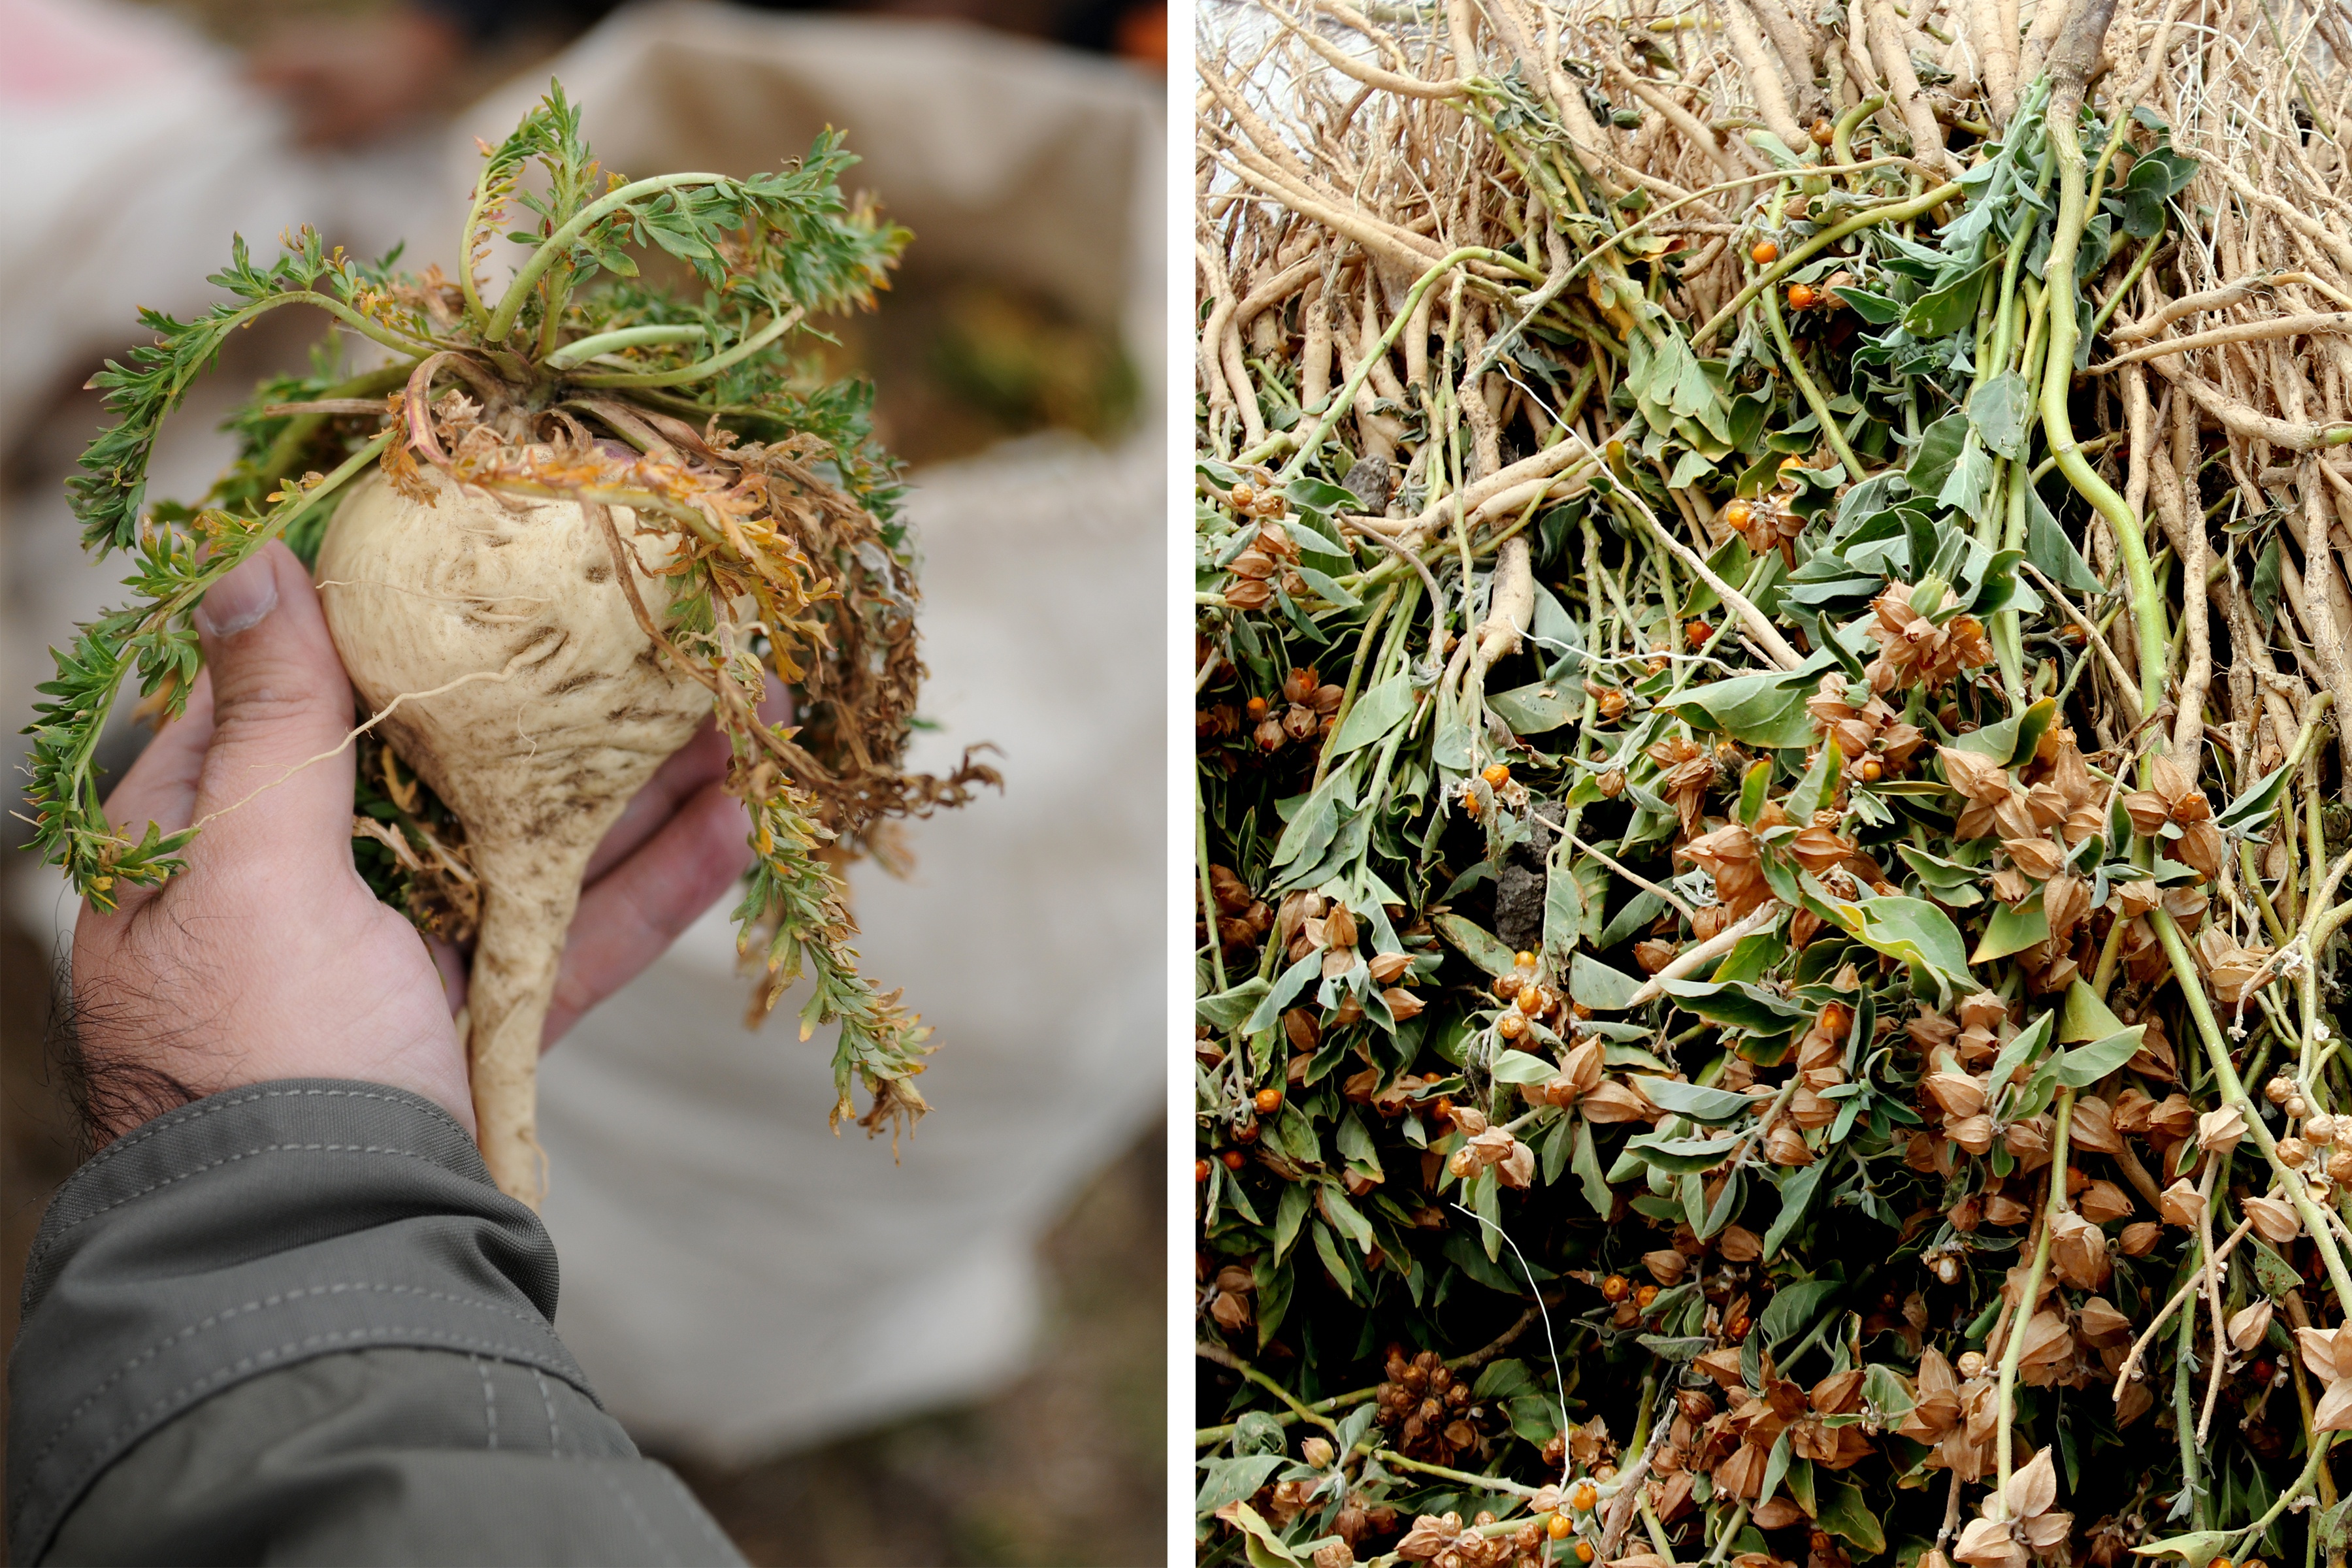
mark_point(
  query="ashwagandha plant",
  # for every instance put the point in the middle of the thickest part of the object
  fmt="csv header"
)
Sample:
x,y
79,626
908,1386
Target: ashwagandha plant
x,y
554,531
1771,595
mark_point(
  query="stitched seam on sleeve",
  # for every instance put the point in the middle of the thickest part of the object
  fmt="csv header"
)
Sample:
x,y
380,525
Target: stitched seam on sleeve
x,y
35,1260
188,1392
489,1403
636,1515
220,1102
547,1401
262,1304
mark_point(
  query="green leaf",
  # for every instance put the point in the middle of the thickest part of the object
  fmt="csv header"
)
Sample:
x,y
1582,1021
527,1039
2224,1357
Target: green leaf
x,y
1911,930
1518,1066
1586,1163
1794,1307
1932,459
2086,1065
1327,588
1476,944
1310,831
1697,1101
1796,1196
2021,1048
2254,804
2003,411
1376,712
1344,1215
1289,1214
2273,1273
1819,784
1764,709
2013,928
1736,1005
1876,309
1845,1510
2198,1547
1596,985
2052,552
2085,1017
1235,1480
1539,707
1226,1009
1947,308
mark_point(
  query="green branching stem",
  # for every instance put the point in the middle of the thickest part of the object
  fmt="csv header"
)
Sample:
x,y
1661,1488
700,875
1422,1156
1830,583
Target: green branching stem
x,y
2233,1094
1344,398
557,245
2013,1350
1811,393
1871,217
581,349
2058,376
776,328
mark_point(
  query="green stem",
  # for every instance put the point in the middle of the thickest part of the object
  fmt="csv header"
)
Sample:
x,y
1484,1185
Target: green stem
x,y
1484,1483
2233,1094
2058,374
553,248
775,328
1813,393
1345,398
1890,212
2013,1350
2131,276
582,349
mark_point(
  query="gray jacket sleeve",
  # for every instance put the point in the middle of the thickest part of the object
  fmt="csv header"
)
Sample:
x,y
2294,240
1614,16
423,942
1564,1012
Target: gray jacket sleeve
x,y
298,1323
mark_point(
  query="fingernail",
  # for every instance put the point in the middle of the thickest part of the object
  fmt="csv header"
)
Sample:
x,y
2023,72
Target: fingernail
x,y
239,599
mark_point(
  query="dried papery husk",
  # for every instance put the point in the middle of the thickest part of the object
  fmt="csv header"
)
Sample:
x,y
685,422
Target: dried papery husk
x,y
511,676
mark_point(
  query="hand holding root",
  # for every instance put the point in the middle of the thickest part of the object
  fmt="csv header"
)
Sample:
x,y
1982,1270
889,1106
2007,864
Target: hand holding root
x,y
270,958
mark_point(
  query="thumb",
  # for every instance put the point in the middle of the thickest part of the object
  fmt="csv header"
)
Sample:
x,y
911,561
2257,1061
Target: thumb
x,y
280,702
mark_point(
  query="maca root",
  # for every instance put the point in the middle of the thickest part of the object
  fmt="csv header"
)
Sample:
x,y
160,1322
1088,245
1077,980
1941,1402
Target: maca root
x,y
550,708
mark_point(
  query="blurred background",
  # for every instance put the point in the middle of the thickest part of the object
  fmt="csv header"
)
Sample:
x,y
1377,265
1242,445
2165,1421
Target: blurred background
x,y
956,1359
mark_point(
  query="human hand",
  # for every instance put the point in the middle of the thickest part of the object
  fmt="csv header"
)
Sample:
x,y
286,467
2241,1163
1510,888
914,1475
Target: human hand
x,y
268,957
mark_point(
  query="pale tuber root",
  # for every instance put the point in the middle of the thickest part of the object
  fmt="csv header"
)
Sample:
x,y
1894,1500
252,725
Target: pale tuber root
x,y
537,764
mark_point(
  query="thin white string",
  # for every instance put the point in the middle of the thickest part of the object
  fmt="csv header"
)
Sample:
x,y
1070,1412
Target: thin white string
x,y
1559,1381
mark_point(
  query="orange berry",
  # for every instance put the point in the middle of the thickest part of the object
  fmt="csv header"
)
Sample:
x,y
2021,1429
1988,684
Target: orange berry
x,y
1584,1551
1738,515
1247,1134
1442,1111
1256,706
1497,774
1823,132
1803,297
1560,1528
1616,1287
1464,1164
1507,986
1200,1170
1765,254
1697,632
1523,959
1835,1019
1870,770
1470,805
1644,1296
1268,1102
1583,1497
1234,1159
1511,1024
1532,1001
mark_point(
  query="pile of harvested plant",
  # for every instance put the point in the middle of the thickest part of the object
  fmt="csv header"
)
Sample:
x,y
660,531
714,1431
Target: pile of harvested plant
x,y
1771,639
554,532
